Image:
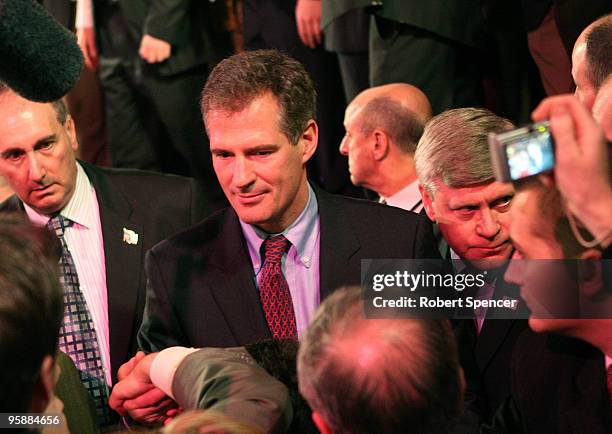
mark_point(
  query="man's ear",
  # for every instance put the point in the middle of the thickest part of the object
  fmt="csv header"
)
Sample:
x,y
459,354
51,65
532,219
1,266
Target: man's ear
x,y
44,386
320,423
309,140
590,274
380,144
428,203
71,132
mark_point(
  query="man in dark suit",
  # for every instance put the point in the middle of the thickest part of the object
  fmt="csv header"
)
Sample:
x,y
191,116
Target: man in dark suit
x,y
346,26
260,268
414,42
153,61
471,211
113,216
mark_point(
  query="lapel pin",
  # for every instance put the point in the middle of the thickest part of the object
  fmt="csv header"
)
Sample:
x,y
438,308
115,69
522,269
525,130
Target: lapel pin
x,y
130,237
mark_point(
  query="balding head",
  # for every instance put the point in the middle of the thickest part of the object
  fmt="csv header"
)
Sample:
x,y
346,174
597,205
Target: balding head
x,y
361,375
591,60
383,126
407,96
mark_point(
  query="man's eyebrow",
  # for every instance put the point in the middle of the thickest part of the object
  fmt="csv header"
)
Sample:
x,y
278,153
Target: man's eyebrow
x,y
44,140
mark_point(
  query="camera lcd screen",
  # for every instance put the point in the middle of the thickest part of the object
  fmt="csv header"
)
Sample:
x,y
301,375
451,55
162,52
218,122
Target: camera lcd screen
x,y
531,154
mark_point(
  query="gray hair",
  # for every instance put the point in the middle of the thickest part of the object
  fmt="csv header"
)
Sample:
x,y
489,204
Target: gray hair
x,y
455,150
409,376
399,122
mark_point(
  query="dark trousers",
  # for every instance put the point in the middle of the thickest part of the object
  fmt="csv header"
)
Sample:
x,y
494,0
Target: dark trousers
x,y
446,71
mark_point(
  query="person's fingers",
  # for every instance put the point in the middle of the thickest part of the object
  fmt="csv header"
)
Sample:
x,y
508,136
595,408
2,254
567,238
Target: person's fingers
x,y
316,31
149,398
302,31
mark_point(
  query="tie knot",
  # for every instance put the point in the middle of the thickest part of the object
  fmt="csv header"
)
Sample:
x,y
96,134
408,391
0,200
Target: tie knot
x,y
274,247
58,224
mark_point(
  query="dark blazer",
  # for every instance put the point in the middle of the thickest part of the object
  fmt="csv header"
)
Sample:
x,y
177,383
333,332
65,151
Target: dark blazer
x,y
154,206
182,23
457,20
486,358
201,290
558,386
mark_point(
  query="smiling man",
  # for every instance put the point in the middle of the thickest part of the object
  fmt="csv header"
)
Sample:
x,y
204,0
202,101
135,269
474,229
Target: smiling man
x,y
260,268
106,220
471,211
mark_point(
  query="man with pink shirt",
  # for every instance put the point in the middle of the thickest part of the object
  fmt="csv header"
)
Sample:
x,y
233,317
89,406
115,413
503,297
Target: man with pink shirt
x,y
106,220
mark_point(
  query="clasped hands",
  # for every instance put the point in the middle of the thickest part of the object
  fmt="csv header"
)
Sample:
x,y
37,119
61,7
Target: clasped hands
x,y
136,395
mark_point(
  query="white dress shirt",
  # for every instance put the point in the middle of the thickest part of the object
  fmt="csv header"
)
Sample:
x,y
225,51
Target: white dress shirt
x,y
408,198
84,240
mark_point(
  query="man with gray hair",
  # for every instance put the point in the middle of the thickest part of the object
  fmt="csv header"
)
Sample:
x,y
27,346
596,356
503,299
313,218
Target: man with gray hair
x,y
471,211
385,375
383,126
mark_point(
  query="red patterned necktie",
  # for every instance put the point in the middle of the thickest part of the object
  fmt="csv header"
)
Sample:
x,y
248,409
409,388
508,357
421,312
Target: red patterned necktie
x,y
274,290
609,374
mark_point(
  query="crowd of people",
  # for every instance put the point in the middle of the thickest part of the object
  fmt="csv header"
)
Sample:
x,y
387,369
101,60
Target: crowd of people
x,y
232,301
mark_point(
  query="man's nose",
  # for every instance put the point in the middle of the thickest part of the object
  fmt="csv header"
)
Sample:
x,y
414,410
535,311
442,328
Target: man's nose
x,y
244,175
515,271
488,226
343,146
37,169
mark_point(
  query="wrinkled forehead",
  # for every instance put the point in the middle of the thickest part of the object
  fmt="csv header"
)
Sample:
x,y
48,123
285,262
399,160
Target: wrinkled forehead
x,y
489,191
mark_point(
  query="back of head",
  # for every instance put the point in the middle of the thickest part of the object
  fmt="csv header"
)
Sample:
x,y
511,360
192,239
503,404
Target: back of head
x,y
598,49
364,376
399,109
454,148
238,80
30,308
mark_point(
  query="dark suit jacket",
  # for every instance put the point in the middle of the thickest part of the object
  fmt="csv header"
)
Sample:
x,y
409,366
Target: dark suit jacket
x,y
182,23
558,386
457,20
201,290
486,357
154,206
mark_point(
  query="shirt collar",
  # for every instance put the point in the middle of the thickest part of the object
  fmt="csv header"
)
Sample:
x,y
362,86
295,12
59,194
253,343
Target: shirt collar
x,y
79,208
407,198
301,233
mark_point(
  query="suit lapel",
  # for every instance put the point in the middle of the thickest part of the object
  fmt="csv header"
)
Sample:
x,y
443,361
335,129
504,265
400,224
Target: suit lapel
x,y
590,410
339,244
234,287
123,261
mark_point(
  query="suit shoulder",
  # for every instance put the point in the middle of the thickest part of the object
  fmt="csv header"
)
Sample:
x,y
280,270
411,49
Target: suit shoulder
x,y
11,204
371,211
134,177
196,237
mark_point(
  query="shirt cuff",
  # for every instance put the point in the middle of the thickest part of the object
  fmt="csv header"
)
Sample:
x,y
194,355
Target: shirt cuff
x,y
84,15
164,367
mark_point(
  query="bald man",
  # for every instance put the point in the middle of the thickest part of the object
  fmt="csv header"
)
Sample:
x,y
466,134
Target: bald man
x,y
591,60
383,126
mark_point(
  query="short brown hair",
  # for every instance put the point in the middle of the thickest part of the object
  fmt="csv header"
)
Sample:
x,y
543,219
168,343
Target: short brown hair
x,y
238,80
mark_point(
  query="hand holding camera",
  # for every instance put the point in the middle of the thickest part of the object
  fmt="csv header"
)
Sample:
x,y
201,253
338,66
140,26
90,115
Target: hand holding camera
x,y
580,163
